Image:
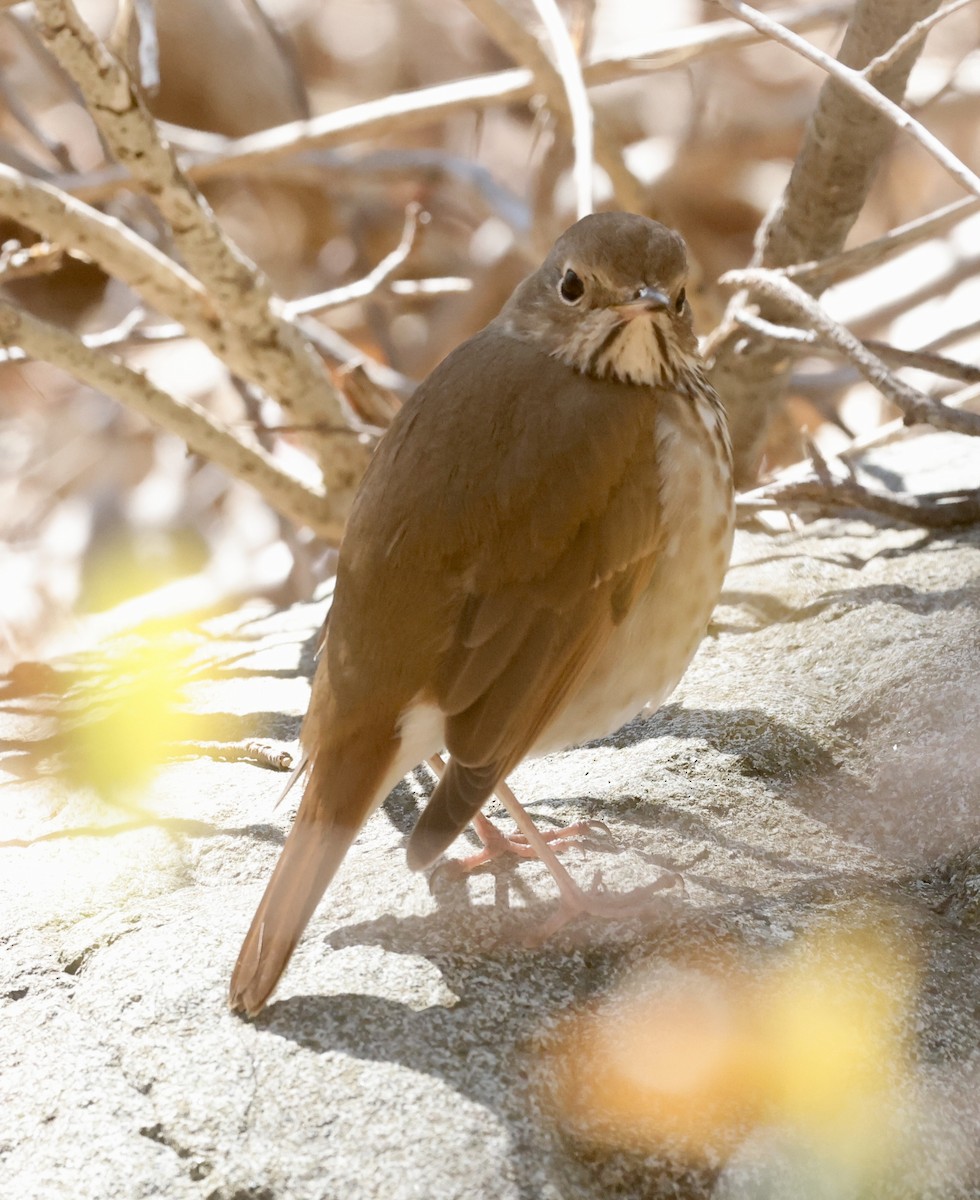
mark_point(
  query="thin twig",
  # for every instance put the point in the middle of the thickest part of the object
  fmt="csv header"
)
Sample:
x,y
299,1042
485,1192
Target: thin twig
x,y
943,511
855,82
971,329
123,333
924,360
916,406
414,216
336,349
912,36
405,110
817,276
897,430
789,334
579,107
504,24
963,398
188,420
435,285
805,339
260,753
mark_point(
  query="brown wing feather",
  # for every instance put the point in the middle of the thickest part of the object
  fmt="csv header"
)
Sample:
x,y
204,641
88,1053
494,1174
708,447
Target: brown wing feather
x,y
537,452
520,653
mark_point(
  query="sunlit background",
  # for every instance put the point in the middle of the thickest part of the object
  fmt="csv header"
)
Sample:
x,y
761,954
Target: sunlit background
x,y
97,507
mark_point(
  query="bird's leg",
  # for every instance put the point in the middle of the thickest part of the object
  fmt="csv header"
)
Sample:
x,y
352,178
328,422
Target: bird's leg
x,y
532,843
517,843
575,901
496,844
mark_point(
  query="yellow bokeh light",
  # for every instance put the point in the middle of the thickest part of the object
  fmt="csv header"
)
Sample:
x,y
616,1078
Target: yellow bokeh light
x,y
696,1060
123,714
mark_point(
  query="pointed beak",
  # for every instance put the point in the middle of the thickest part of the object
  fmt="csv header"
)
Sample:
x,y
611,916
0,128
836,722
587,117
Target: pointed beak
x,y
646,300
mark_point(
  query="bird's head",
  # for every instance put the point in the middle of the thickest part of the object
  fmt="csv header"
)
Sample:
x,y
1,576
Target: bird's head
x,y
610,302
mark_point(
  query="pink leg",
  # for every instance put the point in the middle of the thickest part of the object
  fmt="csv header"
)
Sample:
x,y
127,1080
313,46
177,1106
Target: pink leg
x,y
531,843
575,901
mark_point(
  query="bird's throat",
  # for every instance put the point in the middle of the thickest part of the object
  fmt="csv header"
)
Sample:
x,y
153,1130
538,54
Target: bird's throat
x,y
639,350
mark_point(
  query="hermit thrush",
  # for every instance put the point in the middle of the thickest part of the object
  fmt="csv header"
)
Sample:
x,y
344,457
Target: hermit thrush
x,y
532,557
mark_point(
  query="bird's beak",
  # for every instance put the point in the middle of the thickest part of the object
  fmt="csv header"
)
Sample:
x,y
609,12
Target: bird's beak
x,y
646,300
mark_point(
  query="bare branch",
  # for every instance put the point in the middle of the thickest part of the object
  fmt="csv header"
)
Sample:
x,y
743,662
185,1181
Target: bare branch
x,y
844,142
336,349
122,333
855,82
414,216
916,406
285,363
803,340
911,38
407,110
184,418
577,98
435,285
924,360
821,274
123,254
826,497
503,24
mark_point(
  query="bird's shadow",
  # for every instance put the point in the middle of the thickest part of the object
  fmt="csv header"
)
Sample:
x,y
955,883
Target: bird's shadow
x,y
508,997
493,1038
494,1063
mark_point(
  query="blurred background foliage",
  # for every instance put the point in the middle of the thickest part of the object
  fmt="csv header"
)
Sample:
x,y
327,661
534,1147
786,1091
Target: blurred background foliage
x,y
98,507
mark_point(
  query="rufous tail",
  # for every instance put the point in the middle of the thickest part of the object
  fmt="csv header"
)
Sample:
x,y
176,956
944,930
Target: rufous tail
x,y
336,801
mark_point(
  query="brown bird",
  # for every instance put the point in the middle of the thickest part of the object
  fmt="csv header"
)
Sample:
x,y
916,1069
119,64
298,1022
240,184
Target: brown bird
x,y
532,557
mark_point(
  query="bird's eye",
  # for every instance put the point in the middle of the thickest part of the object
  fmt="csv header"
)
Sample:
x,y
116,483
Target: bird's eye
x,y
571,289
680,301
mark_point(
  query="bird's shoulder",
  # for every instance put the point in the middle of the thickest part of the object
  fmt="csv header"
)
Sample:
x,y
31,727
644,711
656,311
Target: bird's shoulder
x,y
502,445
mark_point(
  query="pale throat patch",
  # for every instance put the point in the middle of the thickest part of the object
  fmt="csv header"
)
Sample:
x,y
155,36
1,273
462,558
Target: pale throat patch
x,y
640,351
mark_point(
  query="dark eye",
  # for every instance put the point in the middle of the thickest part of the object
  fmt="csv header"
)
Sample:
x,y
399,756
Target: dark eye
x,y
571,289
679,302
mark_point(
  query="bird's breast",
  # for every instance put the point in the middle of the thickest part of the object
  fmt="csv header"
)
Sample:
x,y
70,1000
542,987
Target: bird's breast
x,y
652,646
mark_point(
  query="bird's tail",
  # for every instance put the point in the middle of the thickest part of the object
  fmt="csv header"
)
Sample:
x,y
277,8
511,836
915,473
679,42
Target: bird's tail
x,y
338,797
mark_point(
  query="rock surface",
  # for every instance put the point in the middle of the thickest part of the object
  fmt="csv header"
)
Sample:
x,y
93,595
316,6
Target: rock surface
x,y
815,774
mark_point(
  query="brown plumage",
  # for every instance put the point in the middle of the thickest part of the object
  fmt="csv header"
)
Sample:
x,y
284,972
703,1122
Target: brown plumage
x,y
533,555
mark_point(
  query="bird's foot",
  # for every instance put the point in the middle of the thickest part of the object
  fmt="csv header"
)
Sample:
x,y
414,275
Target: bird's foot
x,y
596,901
496,844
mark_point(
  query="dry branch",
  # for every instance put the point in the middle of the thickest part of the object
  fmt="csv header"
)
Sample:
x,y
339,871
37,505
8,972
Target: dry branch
x,y
565,82
857,82
912,37
157,279
407,110
803,340
382,272
828,497
821,274
916,406
565,91
184,418
285,363
843,145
